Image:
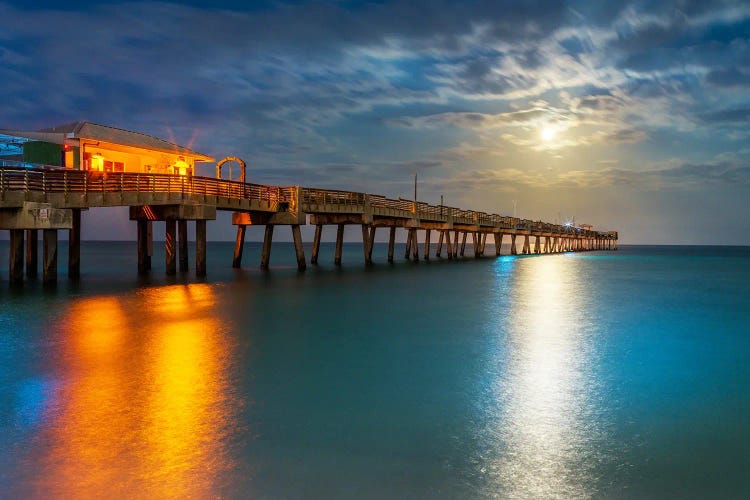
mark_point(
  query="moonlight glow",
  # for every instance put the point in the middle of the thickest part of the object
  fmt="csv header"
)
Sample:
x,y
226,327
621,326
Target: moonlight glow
x,y
548,133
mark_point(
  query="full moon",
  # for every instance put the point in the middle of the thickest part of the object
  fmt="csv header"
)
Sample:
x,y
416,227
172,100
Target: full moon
x,y
548,133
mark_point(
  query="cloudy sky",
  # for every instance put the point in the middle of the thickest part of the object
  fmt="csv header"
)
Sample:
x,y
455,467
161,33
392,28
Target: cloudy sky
x,y
630,116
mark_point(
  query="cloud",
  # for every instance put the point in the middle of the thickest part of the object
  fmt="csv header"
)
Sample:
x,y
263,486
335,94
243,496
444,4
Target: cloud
x,y
304,90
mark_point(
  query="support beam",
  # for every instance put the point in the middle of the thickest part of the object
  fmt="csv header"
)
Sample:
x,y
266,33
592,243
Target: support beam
x,y
49,256
415,245
391,244
448,245
484,242
537,245
74,245
368,241
144,259
408,244
15,268
316,244
526,245
170,247
372,243
32,252
149,243
455,244
200,247
440,244
265,255
182,239
339,244
475,244
298,248
239,246
463,243
498,243
427,244
513,248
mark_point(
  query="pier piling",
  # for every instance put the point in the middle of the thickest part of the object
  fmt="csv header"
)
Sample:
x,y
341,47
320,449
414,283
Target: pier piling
x,y
339,245
15,269
49,256
265,254
316,244
74,245
182,239
200,247
170,246
32,252
144,260
239,246
298,248
391,244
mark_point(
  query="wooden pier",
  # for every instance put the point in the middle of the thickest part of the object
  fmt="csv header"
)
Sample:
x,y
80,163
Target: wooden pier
x,y
47,199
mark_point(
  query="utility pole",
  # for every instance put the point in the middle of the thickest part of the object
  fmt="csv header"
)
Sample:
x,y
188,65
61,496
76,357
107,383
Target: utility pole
x,y
415,187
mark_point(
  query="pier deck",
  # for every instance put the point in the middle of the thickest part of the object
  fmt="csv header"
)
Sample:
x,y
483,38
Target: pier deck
x,y
43,198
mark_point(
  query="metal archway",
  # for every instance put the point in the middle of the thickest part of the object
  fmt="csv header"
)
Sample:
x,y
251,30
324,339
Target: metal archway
x,y
230,159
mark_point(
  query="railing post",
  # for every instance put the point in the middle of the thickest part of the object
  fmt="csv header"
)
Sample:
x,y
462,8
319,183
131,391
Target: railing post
x,y
26,181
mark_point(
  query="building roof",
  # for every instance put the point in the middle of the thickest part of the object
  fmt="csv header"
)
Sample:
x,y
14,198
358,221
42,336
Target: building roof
x,y
104,133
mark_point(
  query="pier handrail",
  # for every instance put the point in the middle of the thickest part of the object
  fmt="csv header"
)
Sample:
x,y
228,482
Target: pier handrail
x,y
22,176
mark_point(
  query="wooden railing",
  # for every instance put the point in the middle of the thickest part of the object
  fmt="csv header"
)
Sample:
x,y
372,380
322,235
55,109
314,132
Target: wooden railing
x,y
16,176
51,180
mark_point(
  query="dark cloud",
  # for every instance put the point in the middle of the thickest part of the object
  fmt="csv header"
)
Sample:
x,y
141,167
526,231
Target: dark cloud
x,y
729,77
727,116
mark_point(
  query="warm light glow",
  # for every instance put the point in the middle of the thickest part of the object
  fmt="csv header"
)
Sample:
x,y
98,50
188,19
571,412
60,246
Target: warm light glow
x,y
180,166
97,162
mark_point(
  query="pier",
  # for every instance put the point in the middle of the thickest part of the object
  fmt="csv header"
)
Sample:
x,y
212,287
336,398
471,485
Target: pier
x,y
47,199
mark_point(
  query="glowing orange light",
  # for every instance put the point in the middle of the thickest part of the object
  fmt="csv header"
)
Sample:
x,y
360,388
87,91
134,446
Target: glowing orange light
x,y
145,396
97,162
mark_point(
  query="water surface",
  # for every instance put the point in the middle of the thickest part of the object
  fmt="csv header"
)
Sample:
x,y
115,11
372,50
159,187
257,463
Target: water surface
x,y
603,374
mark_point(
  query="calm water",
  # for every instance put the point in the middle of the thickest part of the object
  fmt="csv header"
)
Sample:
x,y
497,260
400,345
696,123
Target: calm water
x,y
598,375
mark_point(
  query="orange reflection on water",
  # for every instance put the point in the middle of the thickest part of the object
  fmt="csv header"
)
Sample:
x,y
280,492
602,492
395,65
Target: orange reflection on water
x,y
182,426
143,404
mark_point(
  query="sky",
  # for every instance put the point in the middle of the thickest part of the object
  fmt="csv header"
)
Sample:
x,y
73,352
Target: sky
x,y
631,116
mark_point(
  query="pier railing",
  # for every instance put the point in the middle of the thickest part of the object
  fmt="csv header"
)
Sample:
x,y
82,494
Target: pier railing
x,y
55,180
20,176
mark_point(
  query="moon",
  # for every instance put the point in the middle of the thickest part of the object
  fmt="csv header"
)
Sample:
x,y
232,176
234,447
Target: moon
x,y
548,133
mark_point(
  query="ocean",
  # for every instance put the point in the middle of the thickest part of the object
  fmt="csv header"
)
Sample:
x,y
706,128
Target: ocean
x,y
589,375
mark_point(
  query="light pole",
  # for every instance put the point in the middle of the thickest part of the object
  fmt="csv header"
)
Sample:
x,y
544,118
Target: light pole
x,y
415,187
